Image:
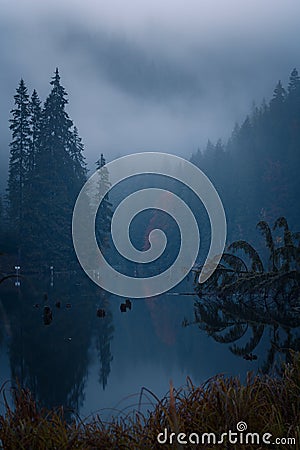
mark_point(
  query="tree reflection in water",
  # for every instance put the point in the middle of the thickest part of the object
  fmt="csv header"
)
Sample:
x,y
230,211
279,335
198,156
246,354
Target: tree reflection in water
x,y
250,296
104,335
50,336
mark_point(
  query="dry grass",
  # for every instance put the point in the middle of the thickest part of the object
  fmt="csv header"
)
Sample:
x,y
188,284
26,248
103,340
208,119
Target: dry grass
x,y
266,404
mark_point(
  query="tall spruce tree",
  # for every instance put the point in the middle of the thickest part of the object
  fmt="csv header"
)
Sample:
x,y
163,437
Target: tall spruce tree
x,y
294,97
28,236
54,183
19,157
279,96
294,82
35,124
76,149
104,215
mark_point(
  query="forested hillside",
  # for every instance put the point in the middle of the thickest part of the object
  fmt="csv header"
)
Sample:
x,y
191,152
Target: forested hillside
x,y
257,171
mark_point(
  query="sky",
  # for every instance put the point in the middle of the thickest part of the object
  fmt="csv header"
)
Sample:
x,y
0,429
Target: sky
x,y
147,75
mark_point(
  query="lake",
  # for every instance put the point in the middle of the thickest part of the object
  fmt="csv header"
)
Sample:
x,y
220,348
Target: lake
x,y
94,364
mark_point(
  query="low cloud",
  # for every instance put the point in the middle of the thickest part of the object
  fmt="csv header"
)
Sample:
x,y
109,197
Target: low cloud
x,y
151,76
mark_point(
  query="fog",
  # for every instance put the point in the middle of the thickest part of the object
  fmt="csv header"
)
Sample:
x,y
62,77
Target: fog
x,y
98,302
145,75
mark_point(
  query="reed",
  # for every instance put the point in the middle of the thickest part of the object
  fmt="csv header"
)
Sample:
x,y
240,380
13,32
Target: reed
x,y
267,404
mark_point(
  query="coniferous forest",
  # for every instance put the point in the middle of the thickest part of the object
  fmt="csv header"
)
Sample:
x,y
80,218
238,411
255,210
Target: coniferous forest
x,y
255,172
46,172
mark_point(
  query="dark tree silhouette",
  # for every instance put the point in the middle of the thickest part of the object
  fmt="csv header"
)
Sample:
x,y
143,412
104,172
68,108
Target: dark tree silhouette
x,y
57,176
19,161
104,215
245,297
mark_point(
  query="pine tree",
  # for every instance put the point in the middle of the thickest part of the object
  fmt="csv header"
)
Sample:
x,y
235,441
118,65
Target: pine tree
x,y
294,103
53,181
55,127
35,123
19,156
294,82
104,214
76,149
279,96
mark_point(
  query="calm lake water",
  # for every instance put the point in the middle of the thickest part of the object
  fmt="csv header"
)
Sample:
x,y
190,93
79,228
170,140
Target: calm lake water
x,y
100,364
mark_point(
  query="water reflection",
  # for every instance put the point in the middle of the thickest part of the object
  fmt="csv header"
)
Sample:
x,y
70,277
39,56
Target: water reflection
x,y
249,296
244,325
50,334
88,355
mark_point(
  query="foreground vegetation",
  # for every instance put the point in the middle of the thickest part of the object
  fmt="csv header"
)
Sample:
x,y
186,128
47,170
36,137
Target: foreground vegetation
x,y
267,405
